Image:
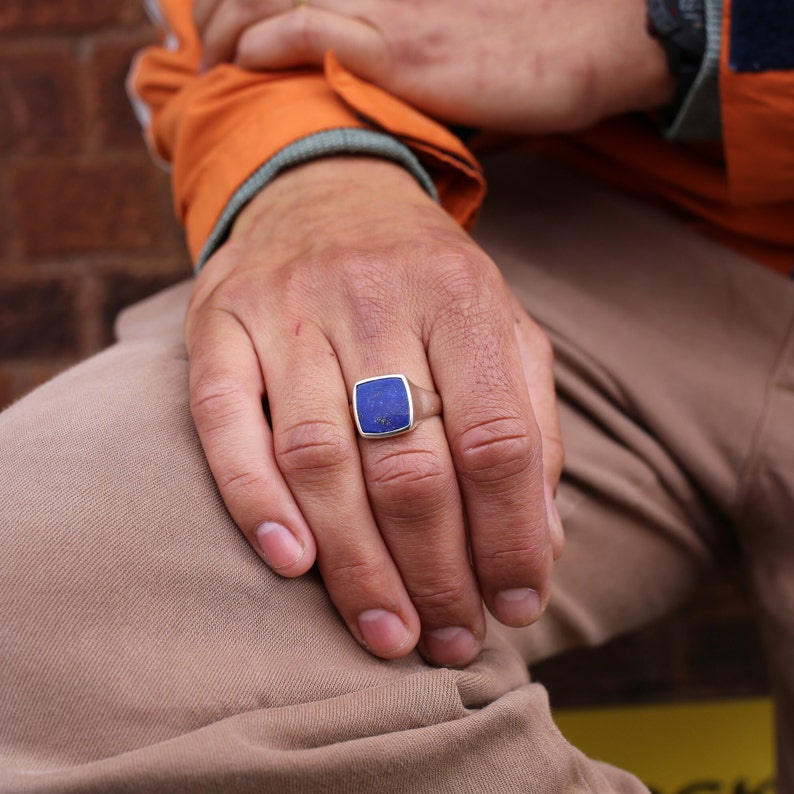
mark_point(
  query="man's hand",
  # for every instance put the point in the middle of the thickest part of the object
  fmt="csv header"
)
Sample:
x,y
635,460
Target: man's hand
x,y
509,65
344,269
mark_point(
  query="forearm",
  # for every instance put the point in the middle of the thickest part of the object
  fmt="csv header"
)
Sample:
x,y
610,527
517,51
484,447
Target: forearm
x,y
331,143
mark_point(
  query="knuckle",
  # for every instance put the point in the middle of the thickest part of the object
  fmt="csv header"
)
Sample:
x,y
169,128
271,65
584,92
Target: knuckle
x,y
363,273
439,601
365,264
497,451
239,486
213,299
458,279
216,398
340,572
528,550
313,448
301,33
470,292
242,12
372,300
407,477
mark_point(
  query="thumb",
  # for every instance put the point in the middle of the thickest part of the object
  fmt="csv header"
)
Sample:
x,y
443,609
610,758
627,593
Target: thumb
x,y
302,37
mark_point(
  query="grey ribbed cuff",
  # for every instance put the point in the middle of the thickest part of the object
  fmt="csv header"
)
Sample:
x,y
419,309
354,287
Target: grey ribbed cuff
x,y
699,118
321,144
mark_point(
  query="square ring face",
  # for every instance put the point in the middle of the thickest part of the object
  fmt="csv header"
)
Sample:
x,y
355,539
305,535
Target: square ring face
x,y
383,406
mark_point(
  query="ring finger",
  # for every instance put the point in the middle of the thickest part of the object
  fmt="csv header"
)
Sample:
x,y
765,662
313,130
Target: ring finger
x,y
416,503
317,453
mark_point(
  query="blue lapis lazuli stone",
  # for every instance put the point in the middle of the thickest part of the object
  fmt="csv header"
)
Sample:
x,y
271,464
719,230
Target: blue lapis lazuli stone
x,y
383,406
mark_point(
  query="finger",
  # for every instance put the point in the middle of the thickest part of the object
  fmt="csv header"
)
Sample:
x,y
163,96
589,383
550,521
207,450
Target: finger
x,y
202,13
495,444
220,23
302,37
537,361
412,487
317,453
416,503
226,391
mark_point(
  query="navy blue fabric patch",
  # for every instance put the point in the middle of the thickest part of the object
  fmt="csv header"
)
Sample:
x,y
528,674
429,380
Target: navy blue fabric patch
x,y
762,35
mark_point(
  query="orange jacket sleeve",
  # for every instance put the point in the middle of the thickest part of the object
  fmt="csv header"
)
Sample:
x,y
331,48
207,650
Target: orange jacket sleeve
x,y
217,128
758,122
739,191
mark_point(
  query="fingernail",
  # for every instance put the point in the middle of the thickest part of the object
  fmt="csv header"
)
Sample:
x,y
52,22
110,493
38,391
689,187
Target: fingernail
x,y
278,545
452,645
382,631
517,607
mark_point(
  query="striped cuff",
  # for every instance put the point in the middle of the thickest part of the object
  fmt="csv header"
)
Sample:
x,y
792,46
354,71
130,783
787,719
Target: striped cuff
x,y
699,117
321,144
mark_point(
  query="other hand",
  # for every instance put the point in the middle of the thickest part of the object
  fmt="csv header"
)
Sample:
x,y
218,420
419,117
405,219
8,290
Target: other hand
x,y
509,65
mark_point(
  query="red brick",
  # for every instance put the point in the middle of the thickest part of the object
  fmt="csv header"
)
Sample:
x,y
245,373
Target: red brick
x,y
7,228
7,386
711,648
17,379
634,668
105,204
40,100
39,318
67,15
109,61
725,655
124,289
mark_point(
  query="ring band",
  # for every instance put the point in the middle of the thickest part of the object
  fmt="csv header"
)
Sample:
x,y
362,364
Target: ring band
x,y
388,405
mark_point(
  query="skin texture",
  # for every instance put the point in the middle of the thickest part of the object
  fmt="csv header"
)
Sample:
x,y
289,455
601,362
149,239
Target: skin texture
x,y
297,307
343,269
508,65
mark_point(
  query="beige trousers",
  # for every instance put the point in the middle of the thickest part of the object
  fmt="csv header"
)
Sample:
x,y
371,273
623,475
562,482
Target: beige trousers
x,y
145,648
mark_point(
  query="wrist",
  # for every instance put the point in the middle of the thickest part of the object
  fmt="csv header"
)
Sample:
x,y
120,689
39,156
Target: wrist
x,y
333,186
317,146
633,76
680,28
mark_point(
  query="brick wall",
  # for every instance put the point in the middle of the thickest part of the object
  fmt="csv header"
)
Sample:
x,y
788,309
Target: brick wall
x,y
86,227
711,648
85,219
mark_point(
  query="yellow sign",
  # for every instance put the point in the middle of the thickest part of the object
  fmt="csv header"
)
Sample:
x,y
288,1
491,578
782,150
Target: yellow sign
x,y
713,747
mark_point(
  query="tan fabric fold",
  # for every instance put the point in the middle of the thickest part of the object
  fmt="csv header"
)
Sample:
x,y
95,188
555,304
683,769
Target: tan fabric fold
x,y
144,647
